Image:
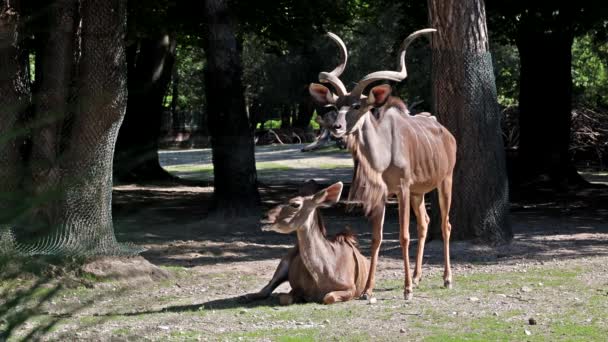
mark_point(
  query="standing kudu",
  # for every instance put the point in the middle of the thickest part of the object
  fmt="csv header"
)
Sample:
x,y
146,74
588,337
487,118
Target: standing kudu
x,y
394,153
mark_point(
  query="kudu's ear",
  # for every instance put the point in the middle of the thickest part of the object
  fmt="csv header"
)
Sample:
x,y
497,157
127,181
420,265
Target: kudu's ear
x,y
378,95
321,94
329,196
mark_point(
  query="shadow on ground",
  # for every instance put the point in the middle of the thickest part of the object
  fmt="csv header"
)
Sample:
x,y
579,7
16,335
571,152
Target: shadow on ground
x,y
171,223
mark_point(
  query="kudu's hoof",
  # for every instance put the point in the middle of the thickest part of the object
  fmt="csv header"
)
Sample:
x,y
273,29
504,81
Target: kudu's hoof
x,y
416,282
365,296
408,295
286,299
447,284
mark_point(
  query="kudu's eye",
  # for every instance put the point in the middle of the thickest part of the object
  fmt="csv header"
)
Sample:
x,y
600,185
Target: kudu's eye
x,y
356,106
295,205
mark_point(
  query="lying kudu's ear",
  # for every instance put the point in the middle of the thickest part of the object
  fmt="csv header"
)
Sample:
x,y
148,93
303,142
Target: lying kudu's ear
x,y
321,94
329,196
378,95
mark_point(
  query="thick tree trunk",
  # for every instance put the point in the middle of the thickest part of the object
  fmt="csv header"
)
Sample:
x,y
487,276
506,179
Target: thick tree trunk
x,y
150,69
545,105
51,106
85,222
14,100
465,102
235,177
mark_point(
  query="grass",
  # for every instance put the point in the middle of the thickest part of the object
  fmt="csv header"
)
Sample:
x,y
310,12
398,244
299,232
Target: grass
x,y
296,335
570,305
333,166
208,169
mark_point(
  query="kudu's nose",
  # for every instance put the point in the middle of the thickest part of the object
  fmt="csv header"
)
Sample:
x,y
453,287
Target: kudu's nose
x,y
336,126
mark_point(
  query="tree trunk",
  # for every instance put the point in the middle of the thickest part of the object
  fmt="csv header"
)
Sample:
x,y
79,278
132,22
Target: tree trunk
x,y
235,177
465,102
51,109
285,117
149,74
14,100
545,105
85,222
306,109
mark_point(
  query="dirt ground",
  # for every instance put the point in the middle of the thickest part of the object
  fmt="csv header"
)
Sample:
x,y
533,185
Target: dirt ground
x,y
550,283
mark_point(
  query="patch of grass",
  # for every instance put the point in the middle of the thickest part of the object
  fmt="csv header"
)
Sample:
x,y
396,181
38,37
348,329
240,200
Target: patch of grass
x,y
579,332
509,281
91,320
270,166
208,169
190,168
293,335
121,331
333,166
309,312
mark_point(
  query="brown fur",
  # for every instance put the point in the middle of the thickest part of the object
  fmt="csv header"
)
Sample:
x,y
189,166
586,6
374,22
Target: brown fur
x,y
318,269
368,186
394,153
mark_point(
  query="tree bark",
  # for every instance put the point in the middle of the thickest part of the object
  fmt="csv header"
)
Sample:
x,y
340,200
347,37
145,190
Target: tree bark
x,y
85,224
306,109
235,177
465,102
545,104
51,109
149,74
14,100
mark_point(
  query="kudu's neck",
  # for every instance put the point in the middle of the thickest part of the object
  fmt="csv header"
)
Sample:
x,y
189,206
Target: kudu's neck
x,y
315,250
373,140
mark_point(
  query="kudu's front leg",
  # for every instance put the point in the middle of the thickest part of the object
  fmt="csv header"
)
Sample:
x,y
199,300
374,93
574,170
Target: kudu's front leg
x,y
280,276
377,220
445,200
404,238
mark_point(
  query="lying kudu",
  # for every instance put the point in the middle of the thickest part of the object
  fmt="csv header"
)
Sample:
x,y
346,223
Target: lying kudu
x,y
318,269
394,153
325,121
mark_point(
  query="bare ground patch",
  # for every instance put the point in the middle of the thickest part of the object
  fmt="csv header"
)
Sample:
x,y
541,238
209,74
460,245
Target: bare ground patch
x,y
550,283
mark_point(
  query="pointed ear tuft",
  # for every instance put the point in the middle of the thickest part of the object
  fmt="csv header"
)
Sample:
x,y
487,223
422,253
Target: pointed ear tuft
x,y
321,94
378,95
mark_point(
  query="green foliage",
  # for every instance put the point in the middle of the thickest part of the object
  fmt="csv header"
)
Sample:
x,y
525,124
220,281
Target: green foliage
x,y
589,71
506,71
190,63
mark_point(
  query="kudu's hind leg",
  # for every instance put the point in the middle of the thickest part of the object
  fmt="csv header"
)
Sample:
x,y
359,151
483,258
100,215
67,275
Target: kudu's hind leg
x,y
422,220
377,220
338,296
445,200
404,239
280,276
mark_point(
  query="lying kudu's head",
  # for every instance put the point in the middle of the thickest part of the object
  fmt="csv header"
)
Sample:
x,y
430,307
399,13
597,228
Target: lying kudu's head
x,y
298,213
352,106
